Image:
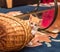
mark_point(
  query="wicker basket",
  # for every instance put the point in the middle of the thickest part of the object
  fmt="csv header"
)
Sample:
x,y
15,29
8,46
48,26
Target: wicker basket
x,y
14,33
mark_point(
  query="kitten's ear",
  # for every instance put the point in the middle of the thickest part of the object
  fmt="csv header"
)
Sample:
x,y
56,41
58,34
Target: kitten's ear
x,y
31,16
40,21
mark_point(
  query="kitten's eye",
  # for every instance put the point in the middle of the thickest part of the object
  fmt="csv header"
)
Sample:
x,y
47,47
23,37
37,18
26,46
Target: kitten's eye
x,y
35,24
31,23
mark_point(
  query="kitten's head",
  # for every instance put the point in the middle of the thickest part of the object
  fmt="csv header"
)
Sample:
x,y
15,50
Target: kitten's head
x,y
34,22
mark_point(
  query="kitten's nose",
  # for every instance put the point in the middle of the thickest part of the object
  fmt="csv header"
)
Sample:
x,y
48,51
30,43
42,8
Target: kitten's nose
x,y
32,27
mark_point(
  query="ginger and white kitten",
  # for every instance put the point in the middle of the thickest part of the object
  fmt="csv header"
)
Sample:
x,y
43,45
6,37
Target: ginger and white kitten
x,y
34,23
40,37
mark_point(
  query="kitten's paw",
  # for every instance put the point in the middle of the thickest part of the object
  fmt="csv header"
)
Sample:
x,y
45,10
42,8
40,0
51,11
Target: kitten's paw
x,y
48,44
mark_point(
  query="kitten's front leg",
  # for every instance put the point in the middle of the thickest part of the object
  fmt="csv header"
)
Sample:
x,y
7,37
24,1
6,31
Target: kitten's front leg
x,y
48,44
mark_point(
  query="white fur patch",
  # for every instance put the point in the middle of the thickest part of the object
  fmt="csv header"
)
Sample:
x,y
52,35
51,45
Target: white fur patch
x,y
33,32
